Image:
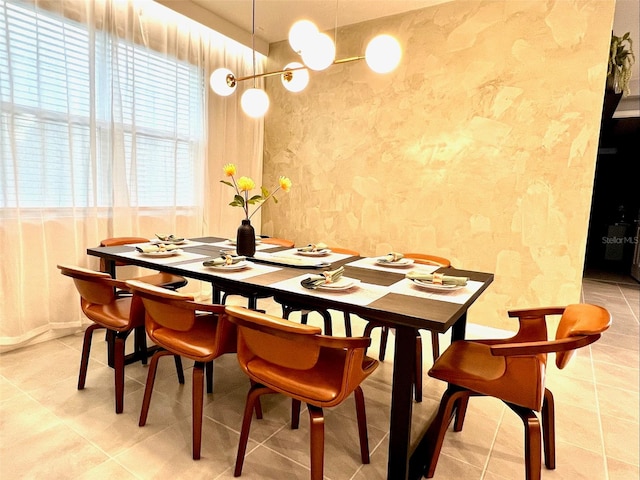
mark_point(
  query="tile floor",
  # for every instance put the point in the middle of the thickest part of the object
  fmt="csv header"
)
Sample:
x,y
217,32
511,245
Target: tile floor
x,y
50,430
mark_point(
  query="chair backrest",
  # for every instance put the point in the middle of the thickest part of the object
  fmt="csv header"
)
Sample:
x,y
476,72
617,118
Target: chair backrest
x,y
580,320
115,242
282,242
93,287
426,259
273,341
164,307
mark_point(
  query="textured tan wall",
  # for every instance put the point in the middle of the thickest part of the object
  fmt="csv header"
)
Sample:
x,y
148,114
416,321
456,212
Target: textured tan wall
x,y
480,147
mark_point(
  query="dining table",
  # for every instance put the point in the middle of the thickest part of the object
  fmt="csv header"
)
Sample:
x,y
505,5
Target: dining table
x,y
376,291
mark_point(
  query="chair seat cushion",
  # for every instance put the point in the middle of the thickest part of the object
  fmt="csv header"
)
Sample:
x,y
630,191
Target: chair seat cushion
x,y
518,380
320,386
114,315
195,344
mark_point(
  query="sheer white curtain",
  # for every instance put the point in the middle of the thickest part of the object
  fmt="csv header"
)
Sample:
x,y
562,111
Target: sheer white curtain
x,y
105,131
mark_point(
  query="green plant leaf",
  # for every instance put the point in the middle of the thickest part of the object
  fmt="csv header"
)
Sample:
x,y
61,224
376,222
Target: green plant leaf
x,y
226,183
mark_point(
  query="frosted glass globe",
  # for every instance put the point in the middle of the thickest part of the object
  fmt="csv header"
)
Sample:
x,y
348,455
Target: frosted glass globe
x,y
218,82
301,33
319,53
296,80
255,102
383,54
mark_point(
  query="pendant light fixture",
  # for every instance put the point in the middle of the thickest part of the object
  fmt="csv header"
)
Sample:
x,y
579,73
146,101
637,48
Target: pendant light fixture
x,y
317,52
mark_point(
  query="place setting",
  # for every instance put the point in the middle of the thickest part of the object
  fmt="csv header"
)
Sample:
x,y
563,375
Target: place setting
x,y
227,263
392,262
330,281
314,250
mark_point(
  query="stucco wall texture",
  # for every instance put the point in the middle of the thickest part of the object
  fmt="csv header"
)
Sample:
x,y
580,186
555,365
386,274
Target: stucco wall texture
x,y
480,147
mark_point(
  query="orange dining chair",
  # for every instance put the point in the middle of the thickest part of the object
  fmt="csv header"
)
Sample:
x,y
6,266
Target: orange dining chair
x,y
119,315
181,326
296,360
288,307
253,297
162,279
423,259
513,370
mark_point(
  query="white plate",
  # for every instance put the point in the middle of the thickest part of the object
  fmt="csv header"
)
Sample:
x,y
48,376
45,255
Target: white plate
x,y
403,262
162,253
230,268
317,253
171,242
435,287
344,283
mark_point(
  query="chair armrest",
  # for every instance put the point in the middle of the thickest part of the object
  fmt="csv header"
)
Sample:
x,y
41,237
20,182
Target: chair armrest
x,y
525,313
204,307
119,284
344,342
536,348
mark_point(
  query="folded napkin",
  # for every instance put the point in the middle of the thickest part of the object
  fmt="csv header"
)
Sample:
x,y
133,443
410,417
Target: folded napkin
x,y
330,276
156,248
391,257
226,260
168,238
437,278
313,247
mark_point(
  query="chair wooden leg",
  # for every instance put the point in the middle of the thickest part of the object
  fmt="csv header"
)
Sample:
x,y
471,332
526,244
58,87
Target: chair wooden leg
x,y
383,343
253,396
549,429
86,351
435,345
461,411
118,368
417,374
179,370
316,424
438,428
196,408
532,442
361,415
148,389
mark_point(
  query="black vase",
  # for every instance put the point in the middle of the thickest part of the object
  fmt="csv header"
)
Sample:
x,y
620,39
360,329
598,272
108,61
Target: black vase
x,y
246,240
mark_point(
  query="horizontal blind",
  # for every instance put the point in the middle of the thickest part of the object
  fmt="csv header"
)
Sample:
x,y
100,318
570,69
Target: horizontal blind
x,y
147,114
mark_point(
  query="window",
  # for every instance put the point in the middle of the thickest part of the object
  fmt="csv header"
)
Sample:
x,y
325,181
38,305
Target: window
x,y
91,120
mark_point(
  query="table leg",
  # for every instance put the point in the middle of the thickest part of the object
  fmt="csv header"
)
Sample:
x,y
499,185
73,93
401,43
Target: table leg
x,y
459,328
401,404
216,294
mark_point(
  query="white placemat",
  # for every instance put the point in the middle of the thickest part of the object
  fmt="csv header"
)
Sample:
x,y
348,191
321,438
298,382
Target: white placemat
x,y
362,294
253,270
408,287
371,264
181,257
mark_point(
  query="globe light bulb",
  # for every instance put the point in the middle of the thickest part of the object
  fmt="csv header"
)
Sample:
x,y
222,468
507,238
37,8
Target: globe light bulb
x,y
255,102
301,33
296,80
219,84
319,53
383,54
